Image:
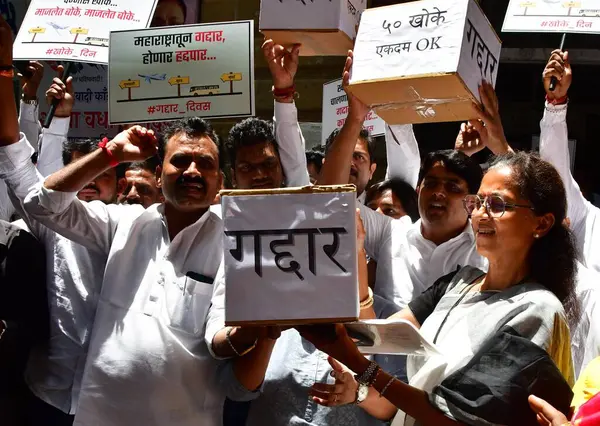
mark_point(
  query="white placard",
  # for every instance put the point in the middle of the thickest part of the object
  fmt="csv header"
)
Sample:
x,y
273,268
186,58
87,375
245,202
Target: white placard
x,y
311,15
187,71
77,30
423,38
390,337
335,111
290,257
89,118
562,16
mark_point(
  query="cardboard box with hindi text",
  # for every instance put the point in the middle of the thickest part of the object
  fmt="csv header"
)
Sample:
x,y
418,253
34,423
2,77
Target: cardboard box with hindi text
x,y
323,27
290,256
422,62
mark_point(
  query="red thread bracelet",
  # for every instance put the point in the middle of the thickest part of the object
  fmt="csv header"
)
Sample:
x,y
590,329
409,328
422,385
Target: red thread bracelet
x,y
113,160
284,93
559,101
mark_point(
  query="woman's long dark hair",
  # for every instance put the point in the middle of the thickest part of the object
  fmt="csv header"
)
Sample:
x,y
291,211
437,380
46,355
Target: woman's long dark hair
x,y
552,257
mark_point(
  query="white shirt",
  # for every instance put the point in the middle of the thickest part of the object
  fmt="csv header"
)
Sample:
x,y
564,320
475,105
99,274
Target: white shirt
x,y
30,126
74,278
584,216
148,363
291,144
585,334
407,263
403,156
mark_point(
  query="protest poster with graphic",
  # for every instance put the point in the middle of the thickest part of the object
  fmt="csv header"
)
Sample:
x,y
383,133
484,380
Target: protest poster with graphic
x,y
564,16
335,111
77,30
285,265
170,73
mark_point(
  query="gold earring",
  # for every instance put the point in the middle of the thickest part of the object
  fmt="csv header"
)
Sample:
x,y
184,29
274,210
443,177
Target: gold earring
x,y
536,236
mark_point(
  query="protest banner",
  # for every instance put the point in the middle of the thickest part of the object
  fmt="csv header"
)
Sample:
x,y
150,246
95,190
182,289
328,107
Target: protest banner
x,y
77,30
188,71
423,61
562,16
290,265
324,28
335,111
89,118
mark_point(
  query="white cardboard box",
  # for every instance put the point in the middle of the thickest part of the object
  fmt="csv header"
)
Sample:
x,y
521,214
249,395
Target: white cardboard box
x,y
323,27
423,61
290,256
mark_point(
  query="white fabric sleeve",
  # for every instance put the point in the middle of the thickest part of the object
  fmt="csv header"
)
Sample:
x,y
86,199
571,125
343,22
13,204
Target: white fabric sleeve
x,y
403,157
377,229
29,123
51,145
291,144
554,148
215,320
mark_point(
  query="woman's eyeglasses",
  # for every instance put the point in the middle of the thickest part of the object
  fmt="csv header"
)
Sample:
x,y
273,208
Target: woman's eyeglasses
x,y
494,204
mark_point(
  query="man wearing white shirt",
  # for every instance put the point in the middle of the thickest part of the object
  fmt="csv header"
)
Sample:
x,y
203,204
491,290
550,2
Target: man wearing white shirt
x,y
29,124
584,217
74,273
147,363
554,147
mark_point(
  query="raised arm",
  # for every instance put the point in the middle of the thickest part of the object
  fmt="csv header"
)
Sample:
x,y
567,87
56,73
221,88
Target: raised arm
x,y
487,131
283,65
403,157
52,139
336,168
29,116
554,135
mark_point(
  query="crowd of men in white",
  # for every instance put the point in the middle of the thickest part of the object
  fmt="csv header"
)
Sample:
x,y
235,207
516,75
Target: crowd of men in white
x,y
134,276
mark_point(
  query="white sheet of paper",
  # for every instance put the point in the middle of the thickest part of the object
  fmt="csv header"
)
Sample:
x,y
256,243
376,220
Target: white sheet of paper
x,y
168,73
69,30
335,111
391,337
552,16
429,49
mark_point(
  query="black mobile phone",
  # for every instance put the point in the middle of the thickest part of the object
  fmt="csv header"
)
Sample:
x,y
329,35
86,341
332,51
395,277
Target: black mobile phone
x,y
23,68
359,338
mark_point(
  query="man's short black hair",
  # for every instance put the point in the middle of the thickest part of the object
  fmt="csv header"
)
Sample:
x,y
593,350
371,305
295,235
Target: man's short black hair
x,y
149,164
251,131
406,194
192,127
364,135
84,146
456,162
315,158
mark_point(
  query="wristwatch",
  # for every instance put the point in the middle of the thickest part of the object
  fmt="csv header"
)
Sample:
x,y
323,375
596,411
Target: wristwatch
x,y
361,393
31,101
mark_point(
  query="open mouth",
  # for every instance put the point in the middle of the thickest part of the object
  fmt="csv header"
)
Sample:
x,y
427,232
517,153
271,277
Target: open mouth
x,y
485,231
88,192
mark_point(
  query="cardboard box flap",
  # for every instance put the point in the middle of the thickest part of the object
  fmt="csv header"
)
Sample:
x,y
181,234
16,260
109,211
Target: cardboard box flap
x,y
315,189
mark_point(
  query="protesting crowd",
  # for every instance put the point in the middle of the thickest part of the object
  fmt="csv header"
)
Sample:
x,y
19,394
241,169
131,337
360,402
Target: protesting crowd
x,y
114,287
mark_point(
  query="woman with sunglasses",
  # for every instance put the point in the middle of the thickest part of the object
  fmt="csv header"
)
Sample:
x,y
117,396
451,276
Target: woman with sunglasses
x,y
502,335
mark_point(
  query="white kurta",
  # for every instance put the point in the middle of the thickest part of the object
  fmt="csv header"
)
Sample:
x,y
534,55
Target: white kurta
x,y
147,363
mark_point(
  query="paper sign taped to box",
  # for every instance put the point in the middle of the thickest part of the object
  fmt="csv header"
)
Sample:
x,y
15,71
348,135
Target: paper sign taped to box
x,y
335,111
290,256
77,30
322,27
564,16
423,61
